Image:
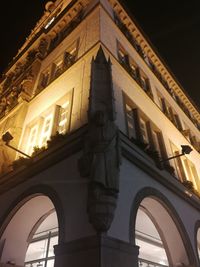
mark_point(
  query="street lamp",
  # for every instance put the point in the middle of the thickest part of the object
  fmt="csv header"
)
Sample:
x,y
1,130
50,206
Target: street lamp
x,y
185,149
7,137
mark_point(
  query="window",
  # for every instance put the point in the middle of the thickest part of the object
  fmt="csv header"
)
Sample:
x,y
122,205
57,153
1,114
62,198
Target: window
x,y
142,131
185,169
123,56
32,139
63,117
46,130
130,121
55,119
190,171
170,113
70,55
134,70
144,82
40,251
62,63
57,68
156,140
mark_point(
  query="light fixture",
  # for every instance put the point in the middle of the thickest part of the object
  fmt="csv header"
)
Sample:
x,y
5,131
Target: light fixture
x,y
7,137
185,149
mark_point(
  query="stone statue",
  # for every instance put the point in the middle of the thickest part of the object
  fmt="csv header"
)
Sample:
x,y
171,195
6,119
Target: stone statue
x,y
42,48
101,152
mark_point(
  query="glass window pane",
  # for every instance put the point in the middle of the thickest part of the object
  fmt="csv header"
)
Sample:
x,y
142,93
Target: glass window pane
x,y
53,242
36,250
50,263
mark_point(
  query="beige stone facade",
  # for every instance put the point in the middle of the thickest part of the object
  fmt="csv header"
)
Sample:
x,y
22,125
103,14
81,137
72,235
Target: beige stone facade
x,y
78,50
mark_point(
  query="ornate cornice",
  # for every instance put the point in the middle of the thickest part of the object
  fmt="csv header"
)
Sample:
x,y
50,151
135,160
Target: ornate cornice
x,y
60,18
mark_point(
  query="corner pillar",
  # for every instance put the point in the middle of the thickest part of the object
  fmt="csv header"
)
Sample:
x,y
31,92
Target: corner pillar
x,y
96,251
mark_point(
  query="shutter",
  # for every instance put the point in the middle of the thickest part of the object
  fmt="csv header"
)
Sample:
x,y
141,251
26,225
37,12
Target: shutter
x,y
194,141
163,151
53,69
150,136
55,119
178,122
164,107
180,168
137,124
130,122
137,71
171,115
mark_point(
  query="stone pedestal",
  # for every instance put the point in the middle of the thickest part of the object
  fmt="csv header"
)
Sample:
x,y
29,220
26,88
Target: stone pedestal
x,y
96,251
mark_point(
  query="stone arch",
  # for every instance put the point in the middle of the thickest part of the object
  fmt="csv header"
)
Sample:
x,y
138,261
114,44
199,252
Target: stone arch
x,y
24,216
197,240
168,224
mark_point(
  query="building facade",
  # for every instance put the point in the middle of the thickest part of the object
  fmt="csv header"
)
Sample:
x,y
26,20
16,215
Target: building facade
x,y
100,147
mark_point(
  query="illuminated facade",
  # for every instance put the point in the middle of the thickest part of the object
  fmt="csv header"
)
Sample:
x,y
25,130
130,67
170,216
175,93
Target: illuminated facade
x,y
89,101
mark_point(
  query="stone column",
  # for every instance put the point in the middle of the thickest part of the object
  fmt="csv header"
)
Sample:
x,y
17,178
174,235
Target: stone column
x,y
96,251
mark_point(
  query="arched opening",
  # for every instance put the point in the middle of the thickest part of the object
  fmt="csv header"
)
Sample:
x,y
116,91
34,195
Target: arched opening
x,y
30,235
159,232
152,251
198,242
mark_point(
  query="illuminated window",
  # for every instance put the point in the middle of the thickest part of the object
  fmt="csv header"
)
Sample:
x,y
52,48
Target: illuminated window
x,y
70,55
46,130
170,113
190,171
144,82
32,139
185,169
156,140
62,63
55,119
40,252
143,130
64,117
57,68
123,57
130,121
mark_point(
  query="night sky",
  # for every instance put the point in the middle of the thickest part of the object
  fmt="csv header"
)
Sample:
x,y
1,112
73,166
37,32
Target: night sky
x,y
173,29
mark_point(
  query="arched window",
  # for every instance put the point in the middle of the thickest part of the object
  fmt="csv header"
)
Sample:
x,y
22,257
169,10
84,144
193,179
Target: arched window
x,y
198,242
152,251
31,233
40,252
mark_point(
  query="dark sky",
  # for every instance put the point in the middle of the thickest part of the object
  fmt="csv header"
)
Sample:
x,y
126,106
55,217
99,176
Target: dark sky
x,y
173,26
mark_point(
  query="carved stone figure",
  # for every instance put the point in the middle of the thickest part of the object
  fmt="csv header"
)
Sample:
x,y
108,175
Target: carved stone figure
x,y
12,97
8,81
30,56
42,48
3,105
18,70
101,154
